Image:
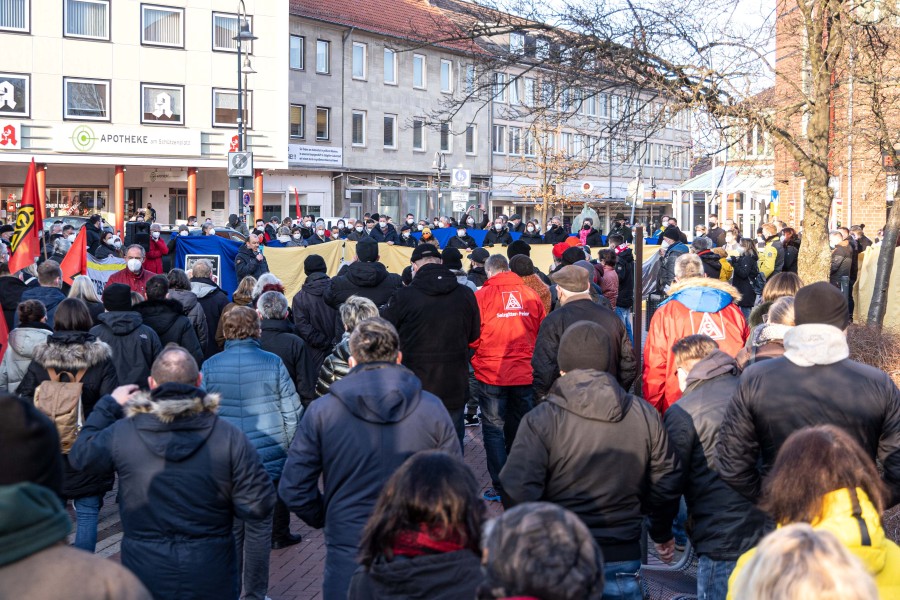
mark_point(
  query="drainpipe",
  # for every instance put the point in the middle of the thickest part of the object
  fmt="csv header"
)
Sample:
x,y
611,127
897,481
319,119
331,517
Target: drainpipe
x,y
848,201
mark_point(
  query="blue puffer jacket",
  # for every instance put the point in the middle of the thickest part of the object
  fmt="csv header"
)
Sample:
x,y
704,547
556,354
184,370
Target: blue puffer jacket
x,y
258,397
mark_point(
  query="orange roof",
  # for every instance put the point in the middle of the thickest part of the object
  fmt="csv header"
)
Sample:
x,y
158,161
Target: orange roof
x,y
415,21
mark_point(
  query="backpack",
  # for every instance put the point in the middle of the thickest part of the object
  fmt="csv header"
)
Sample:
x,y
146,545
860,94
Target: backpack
x,y
61,401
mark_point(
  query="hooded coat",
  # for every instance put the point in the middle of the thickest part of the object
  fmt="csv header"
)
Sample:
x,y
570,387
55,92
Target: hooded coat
x,y
192,310
695,305
213,301
444,576
814,383
185,475
50,297
280,338
258,397
667,265
602,453
712,264
625,271
849,515
367,279
318,324
722,524
72,351
388,234
442,367
135,346
22,342
358,436
166,318
746,268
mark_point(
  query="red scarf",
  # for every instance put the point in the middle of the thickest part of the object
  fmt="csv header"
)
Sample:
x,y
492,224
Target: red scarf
x,y
621,248
425,541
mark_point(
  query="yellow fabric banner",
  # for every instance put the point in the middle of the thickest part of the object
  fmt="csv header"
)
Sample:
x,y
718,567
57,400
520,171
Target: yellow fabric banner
x,y
865,285
287,263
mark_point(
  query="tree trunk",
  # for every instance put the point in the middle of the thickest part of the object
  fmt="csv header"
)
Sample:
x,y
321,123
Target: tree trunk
x,y
884,267
814,261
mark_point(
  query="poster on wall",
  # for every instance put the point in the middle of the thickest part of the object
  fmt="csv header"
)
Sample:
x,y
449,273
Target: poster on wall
x,y
214,260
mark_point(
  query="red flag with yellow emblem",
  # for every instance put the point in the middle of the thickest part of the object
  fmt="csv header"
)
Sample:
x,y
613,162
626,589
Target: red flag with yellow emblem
x,y
25,243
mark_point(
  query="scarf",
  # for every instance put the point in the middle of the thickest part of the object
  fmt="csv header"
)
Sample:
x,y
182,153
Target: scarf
x,y
425,541
621,248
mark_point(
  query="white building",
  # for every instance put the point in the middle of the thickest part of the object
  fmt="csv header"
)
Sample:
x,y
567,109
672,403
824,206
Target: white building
x,y
128,104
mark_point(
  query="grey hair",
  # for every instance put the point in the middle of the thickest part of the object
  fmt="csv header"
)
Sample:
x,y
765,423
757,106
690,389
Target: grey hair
x,y
155,227
702,243
272,305
496,263
139,247
264,280
357,309
205,268
61,245
284,231
688,265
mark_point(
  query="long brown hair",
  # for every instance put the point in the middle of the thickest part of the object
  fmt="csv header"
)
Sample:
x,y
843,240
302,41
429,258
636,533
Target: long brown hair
x,y
813,462
431,488
72,314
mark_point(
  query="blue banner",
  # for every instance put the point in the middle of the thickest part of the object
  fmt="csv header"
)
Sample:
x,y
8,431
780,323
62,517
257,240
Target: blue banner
x,y
443,235
211,244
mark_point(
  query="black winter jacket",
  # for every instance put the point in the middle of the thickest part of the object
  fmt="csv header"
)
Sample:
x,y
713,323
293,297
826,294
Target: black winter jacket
x,y
594,239
388,234
478,276
501,237
178,544
791,251
409,242
94,234
166,319
367,279
279,337
776,397
625,271
335,366
49,296
841,263
212,300
134,345
621,365
667,265
359,435
602,453
245,263
462,243
318,324
11,290
437,350
555,235
746,269
71,351
447,576
534,238
722,523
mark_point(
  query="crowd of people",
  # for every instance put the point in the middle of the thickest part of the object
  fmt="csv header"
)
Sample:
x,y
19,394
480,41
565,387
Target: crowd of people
x,y
750,435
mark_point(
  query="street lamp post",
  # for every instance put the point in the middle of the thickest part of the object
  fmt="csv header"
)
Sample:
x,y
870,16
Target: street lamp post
x,y
244,34
439,165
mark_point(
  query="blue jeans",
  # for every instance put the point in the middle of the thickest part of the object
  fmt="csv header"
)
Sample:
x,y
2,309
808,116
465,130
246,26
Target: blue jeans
x,y
457,415
678,531
746,310
625,315
253,543
502,409
621,580
87,512
712,578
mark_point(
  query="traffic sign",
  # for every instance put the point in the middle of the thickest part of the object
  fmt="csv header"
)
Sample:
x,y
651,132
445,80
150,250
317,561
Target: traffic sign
x,y
459,200
246,198
461,178
240,164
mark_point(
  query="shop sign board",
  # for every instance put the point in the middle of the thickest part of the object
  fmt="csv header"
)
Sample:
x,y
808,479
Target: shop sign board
x,y
92,138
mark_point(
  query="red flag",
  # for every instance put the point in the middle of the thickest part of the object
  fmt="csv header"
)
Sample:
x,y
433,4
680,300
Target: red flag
x,y
4,337
75,262
297,202
25,243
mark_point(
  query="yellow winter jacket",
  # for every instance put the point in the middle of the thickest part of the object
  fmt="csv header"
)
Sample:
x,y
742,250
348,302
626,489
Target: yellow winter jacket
x,y
881,556
767,256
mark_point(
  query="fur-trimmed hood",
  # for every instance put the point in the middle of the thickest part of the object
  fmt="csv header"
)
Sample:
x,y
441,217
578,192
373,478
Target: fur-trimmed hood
x,y
71,351
703,294
172,401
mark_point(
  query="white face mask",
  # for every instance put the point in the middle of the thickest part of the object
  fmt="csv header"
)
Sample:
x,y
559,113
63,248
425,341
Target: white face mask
x,y
405,235
154,235
498,226
71,237
134,265
320,232
359,228
682,379
182,232
461,232
470,222
297,236
259,226
340,225
117,244
382,224
529,229
410,221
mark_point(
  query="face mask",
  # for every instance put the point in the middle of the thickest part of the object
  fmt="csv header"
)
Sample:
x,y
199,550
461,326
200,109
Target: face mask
x,y
461,232
320,232
134,265
284,238
470,221
359,228
698,234
665,222
498,226
259,225
110,242
782,239
586,226
369,229
410,221
529,229
154,235
183,232
297,236
71,237
117,244
340,224
405,235
211,232
382,224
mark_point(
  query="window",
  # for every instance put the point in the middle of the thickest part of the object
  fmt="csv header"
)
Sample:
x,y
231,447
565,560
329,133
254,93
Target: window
x,y
323,57
323,123
390,66
225,108
528,91
613,106
418,129
359,60
15,91
471,140
297,52
548,94
470,79
528,143
566,144
514,96
578,145
603,105
162,104
515,140
499,87
358,128
298,118
590,106
87,19
418,71
542,49
14,15
446,76
517,43
602,150
162,26
390,131
498,145
225,28
446,138
86,99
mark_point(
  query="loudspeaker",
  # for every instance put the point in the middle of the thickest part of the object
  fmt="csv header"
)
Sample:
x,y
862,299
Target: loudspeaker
x,y
137,232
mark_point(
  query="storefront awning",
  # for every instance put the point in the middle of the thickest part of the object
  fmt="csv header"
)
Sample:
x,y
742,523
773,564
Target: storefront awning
x,y
730,179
